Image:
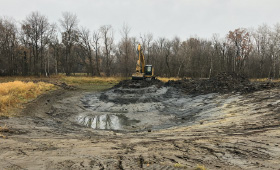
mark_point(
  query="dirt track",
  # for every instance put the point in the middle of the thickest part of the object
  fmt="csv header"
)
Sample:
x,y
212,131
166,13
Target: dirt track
x,y
242,134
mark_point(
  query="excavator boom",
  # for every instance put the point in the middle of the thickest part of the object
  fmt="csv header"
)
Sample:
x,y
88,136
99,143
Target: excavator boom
x,y
142,71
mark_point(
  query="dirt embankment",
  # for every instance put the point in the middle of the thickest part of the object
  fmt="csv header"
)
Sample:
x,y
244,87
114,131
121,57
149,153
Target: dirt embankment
x,y
74,129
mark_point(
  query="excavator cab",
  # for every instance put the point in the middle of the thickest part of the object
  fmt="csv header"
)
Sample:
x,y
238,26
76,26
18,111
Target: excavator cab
x,y
148,74
148,70
142,71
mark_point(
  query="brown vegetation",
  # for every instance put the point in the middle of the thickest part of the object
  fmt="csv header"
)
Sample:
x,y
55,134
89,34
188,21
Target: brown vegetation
x,y
14,94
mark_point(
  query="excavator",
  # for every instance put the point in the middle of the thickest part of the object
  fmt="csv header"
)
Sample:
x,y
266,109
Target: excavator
x,y
143,72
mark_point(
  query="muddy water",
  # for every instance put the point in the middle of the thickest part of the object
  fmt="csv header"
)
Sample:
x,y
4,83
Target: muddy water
x,y
151,108
105,121
101,121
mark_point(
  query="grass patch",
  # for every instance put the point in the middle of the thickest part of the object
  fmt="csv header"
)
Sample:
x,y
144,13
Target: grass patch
x,y
14,94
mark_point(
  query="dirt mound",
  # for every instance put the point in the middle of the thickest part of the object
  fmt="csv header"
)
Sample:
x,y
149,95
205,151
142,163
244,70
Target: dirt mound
x,y
222,83
230,78
138,83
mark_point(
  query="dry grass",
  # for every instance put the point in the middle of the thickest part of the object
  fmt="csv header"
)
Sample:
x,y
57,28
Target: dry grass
x,y
74,80
179,166
91,80
200,167
26,79
265,80
14,94
92,83
166,79
79,79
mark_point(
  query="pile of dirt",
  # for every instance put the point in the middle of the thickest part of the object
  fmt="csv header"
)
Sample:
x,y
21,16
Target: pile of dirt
x,y
222,83
132,84
230,78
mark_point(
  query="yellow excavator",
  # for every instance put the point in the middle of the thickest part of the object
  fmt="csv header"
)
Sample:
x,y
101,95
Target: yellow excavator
x,y
143,72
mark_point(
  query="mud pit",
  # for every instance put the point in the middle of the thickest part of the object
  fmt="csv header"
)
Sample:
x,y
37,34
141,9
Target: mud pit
x,y
149,108
150,125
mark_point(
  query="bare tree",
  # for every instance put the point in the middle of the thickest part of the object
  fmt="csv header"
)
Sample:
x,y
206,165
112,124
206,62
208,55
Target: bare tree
x,y
261,38
161,62
167,53
69,24
36,31
183,57
8,47
31,28
55,45
96,38
175,49
108,39
44,33
86,45
50,37
149,42
276,44
126,48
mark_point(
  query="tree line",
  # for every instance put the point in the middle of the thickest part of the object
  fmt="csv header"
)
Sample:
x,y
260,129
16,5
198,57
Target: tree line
x,y
38,47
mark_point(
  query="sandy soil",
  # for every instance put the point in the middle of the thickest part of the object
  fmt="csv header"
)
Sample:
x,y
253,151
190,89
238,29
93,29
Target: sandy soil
x,y
245,134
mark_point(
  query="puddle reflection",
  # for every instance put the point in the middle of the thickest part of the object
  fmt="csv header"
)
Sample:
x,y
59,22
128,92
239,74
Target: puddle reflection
x,y
107,121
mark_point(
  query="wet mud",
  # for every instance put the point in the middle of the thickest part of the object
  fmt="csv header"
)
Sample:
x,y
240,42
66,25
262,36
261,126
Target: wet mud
x,y
148,125
152,108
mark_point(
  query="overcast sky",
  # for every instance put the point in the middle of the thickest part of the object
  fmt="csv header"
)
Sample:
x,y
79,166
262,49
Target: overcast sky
x,y
163,18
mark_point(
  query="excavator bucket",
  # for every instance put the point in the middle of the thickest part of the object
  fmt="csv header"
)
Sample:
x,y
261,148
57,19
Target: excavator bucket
x,y
138,76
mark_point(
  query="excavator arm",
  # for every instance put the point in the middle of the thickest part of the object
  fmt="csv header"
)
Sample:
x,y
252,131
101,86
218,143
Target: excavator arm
x,y
140,67
142,71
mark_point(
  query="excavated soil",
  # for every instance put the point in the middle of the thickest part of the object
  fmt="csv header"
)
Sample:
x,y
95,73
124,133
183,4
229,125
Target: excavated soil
x,y
222,83
225,122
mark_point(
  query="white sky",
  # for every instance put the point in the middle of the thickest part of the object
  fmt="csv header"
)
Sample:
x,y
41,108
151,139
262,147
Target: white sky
x,y
163,18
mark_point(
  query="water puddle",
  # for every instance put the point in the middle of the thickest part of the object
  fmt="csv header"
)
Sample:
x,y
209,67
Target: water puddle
x,y
106,121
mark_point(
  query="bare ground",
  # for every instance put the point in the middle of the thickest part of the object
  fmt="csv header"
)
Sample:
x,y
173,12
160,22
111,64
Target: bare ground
x,y
245,136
